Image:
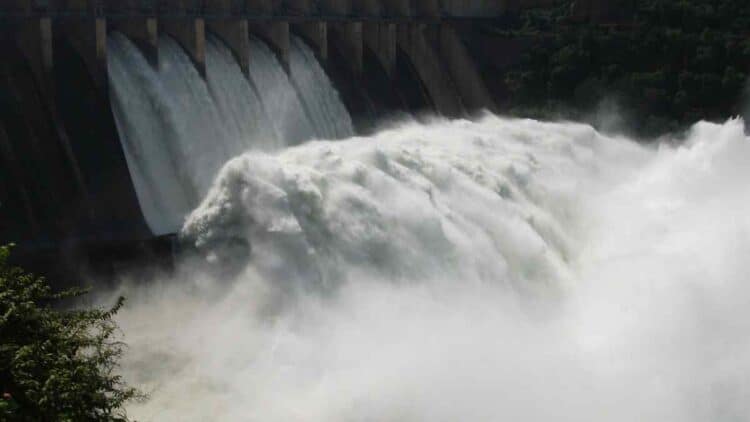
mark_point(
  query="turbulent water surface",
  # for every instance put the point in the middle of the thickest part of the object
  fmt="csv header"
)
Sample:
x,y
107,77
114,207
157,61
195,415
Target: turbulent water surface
x,y
459,271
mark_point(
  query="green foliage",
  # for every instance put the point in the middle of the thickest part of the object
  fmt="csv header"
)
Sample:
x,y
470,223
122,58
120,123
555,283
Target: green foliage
x,y
667,61
56,365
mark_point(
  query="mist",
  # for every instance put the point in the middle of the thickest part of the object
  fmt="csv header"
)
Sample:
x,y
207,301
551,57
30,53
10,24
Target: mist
x,y
492,269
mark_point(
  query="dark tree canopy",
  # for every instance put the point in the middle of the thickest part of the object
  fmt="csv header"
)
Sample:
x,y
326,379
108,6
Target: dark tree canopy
x,y
56,365
667,63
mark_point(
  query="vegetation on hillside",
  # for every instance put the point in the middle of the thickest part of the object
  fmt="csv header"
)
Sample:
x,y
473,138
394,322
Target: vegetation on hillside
x,y
667,63
56,365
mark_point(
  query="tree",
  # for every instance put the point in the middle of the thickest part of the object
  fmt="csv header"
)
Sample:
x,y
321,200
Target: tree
x,y
56,365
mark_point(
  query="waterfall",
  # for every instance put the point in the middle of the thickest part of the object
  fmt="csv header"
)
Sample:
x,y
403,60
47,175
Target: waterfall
x,y
321,99
141,112
178,129
241,108
279,96
201,138
486,270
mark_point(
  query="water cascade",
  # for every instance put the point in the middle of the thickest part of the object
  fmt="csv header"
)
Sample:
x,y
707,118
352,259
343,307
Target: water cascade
x,y
142,112
468,270
323,105
178,129
242,111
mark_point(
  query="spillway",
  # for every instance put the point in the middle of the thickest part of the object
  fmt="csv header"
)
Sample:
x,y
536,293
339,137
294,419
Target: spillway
x,y
242,111
178,128
290,120
141,112
323,105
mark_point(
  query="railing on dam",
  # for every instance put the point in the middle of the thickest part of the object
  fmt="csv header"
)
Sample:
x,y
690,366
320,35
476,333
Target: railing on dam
x,y
265,9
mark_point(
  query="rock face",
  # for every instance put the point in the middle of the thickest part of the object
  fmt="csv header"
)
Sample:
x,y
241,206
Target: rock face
x,y
602,11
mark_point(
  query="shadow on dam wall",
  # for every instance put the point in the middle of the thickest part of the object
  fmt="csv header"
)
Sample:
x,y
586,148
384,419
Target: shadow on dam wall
x,y
373,94
67,197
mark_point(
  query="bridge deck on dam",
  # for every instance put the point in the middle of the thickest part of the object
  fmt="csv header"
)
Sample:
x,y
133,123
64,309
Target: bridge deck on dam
x,y
333,10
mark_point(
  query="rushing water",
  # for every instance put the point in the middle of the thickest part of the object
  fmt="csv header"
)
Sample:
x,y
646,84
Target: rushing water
x,y
164,191
459,271
322,103
281,100
178,129
242,110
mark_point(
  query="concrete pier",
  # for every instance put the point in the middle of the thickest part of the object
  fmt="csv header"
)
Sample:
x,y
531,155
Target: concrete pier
x,y
413,41
462,70
316,34
144,32
190,33
349,37
381,39
236,34
88,35
276,35
34,39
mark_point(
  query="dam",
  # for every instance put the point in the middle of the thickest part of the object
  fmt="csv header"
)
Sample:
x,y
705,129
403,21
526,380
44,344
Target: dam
x,y
375,210
117,114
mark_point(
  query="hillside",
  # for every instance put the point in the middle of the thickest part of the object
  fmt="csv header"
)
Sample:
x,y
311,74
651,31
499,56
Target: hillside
x,y
661,64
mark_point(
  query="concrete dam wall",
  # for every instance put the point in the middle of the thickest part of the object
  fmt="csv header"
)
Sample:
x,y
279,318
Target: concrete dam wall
x,y
107,106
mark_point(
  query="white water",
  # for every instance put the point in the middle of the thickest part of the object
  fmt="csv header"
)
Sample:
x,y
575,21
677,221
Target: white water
x,y
321,101
163,190
460,271
242,111
178,129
